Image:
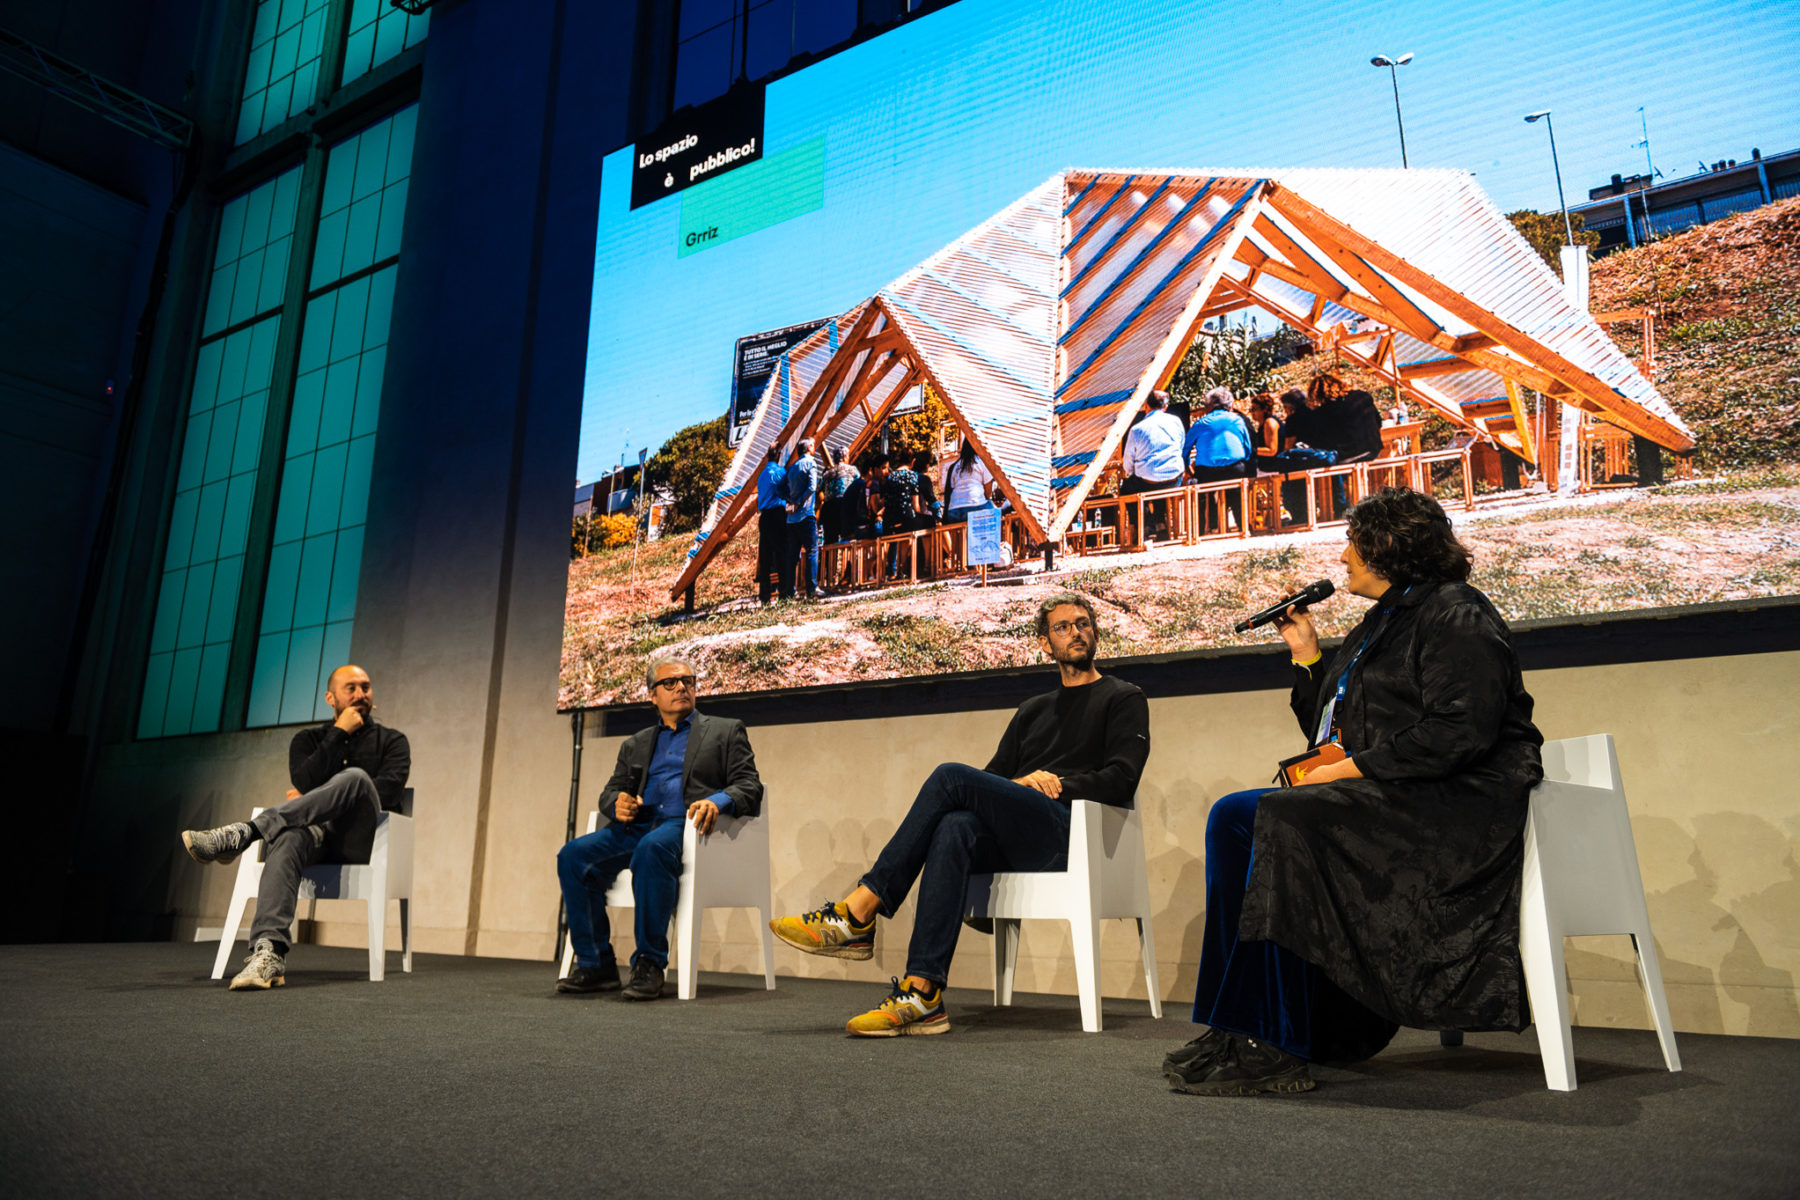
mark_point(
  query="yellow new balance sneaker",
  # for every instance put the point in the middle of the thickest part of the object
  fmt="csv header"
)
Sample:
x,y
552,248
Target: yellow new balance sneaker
x,y
906,1011
827,930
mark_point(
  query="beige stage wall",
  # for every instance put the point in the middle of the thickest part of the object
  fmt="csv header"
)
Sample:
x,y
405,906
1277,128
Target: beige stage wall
x,y
1703,745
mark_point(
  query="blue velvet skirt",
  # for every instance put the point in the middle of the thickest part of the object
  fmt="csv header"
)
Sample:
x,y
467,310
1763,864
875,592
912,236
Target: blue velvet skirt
x,y
1258,988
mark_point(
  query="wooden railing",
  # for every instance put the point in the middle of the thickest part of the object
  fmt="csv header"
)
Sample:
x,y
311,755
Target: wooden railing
x,y
1242,508
914,556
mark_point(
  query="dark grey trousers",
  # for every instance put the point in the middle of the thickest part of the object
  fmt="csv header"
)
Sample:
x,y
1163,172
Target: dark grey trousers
x,y
333,823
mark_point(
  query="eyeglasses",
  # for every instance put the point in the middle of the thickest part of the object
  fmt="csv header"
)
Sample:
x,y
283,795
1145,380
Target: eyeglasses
x,y
1063,628
675,681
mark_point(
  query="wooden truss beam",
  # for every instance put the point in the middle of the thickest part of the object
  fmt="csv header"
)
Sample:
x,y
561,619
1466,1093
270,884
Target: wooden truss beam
x,y
861,442
1324,229
743,503
1449,365
857,400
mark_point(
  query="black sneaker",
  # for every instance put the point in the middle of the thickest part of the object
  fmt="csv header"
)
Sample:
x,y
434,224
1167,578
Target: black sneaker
x,y
1205,1049
582,981
646,981
1247,1067
219,845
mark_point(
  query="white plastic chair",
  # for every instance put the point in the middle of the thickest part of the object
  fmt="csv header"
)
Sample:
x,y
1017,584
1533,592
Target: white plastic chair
x,y
386,876
1581,877
727,868
1107,877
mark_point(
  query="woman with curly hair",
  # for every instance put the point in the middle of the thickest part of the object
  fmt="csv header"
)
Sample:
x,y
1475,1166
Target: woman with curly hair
x,y
1384,890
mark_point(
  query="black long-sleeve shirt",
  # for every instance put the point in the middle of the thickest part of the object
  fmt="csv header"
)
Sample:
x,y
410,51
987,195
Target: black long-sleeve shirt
x,y
1095,737
320,751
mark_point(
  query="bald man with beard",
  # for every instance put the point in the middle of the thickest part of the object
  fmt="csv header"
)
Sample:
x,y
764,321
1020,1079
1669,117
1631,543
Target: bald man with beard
x,y
345,773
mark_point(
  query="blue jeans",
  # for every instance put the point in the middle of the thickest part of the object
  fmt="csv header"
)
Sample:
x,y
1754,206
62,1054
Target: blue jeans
x,y
961,512
1258,988
963,822
587,866
802,554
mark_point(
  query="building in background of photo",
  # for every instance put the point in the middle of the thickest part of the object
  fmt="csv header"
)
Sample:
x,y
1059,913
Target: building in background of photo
x,y
1631,210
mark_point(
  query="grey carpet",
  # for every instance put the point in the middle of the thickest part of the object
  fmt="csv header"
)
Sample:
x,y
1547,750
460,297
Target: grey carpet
x,y
124,1070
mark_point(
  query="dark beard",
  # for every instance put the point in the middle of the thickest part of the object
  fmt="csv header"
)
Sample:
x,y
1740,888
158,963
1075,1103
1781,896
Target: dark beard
x,y
1084,661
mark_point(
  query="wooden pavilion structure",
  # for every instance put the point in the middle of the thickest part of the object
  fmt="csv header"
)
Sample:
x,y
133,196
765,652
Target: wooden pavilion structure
x,y
1044,328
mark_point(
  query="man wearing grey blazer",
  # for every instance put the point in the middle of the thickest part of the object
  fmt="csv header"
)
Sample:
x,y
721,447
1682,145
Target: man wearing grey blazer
x,y
686,767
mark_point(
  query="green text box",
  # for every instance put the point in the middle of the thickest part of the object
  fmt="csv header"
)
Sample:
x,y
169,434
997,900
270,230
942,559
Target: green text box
x,y
750,198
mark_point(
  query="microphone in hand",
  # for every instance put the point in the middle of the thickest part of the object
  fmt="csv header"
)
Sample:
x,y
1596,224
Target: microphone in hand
x,y
1311,594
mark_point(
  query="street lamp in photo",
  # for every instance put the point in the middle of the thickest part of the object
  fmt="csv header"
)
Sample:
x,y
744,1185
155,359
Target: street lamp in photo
x,y
1393,65
1544,116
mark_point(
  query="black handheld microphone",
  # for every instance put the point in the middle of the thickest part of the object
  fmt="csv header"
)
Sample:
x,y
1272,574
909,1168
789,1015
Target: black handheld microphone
x,y
1311,594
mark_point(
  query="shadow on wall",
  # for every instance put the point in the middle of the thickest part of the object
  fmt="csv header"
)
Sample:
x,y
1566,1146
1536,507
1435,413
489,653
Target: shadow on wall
x,y
1736,905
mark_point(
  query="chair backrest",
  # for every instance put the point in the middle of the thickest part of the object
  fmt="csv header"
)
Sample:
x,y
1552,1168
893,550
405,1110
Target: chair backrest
x,y
1589,761
1114,840
1578,845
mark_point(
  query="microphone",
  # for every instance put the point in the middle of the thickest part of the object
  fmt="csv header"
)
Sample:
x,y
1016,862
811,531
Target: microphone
x,y
1309,595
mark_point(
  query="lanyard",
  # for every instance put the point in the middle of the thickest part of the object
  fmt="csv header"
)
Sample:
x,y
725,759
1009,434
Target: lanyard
x,y
1327,730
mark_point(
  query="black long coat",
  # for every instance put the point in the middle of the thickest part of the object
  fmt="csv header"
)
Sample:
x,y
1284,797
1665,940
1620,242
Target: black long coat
x,y
1403,886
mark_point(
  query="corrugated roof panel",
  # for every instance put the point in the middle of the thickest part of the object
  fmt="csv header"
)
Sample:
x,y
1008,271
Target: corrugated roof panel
x,y
1442,223
1092,329
1097,267
984,334
1011,420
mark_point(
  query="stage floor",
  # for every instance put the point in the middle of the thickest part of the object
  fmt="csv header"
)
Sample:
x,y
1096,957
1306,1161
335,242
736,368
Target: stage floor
x,y
125,1070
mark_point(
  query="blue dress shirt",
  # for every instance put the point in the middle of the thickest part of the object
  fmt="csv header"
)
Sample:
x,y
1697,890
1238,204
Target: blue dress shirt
x,y
662,782
802,487
769,485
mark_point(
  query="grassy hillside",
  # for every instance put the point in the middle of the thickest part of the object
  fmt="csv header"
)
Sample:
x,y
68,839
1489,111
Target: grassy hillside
x,y
1727,297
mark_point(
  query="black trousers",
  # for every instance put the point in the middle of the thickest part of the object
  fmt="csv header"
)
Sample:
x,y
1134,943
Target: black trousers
x,y
963,822
1220,475
1156,512
333,823
771,544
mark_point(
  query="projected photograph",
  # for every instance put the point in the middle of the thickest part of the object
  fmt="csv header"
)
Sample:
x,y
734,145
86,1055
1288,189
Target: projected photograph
x,y
990,307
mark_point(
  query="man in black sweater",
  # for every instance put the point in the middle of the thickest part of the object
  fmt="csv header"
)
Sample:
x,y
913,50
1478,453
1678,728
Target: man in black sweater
x,y
345,773
1087,740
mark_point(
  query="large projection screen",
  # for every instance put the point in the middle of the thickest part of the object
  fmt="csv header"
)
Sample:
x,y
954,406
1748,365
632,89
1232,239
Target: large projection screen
x,y
1007,223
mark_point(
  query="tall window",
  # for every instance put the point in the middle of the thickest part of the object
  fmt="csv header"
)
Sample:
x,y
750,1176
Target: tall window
x,y
378,31
278,443
309,602
721,41
282,77
203,563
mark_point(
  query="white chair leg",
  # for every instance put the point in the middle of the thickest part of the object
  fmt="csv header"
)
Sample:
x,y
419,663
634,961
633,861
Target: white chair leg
x,y
234,921
1006,960
377,907
1547,985
687,937
768,945
1147,945
405,935
1650,975
1086,933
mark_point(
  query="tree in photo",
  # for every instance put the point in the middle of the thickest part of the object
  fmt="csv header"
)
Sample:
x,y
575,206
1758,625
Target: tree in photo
x,y
690,466
1237,358
1545,233
916,431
